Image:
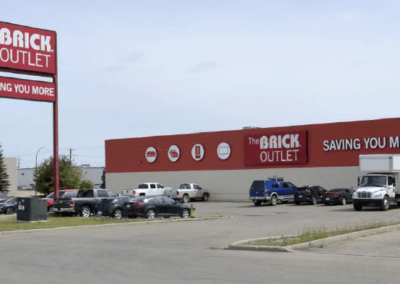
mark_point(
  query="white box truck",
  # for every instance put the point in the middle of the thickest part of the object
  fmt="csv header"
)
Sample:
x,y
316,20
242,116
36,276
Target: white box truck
x,y
378,184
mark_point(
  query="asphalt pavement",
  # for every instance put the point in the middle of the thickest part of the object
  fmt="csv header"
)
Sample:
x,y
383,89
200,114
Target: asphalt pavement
x,y
193,252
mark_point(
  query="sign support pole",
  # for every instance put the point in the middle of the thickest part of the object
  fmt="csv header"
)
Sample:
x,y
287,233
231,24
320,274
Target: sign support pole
x,y
55,132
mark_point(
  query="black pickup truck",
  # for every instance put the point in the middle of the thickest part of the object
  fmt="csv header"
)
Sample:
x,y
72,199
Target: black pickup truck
x,y
85,203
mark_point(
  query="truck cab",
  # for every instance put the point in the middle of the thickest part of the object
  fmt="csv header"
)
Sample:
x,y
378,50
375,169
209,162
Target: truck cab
x,y
272,191
377,186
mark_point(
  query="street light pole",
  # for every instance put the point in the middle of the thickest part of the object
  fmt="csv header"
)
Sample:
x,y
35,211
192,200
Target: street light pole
x,y
36,167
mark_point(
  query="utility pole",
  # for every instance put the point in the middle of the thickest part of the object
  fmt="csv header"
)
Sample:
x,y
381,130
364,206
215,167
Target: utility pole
x,y
70,156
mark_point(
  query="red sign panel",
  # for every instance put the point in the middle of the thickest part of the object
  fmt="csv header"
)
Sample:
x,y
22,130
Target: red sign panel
x,y
27,90
27,49
276,148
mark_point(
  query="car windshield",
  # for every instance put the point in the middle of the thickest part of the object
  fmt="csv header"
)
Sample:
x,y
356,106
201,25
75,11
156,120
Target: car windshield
x,y
70,194
11,200
51,195
136,200
373,181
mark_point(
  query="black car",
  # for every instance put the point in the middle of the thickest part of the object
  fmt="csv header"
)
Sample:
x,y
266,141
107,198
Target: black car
x,y
9,206
338,196
112,207
309,194
157,206
3,196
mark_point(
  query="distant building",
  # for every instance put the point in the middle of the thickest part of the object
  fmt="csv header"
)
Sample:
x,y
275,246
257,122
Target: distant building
x,y
26,177
11,165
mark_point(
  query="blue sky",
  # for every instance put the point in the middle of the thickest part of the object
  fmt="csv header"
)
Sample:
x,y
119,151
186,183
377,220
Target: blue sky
x,y
144,68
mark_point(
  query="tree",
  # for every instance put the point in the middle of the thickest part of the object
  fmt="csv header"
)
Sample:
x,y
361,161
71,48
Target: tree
x,y
4,182
86,184
103,179
69,175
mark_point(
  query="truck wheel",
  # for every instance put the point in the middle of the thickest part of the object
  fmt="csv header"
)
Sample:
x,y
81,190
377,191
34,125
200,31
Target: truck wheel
x,y
385,204
314,200
344,201
326,203
9,211
297,202
205,197
117,214
257,203
150,214
185,199
273,200
50,209
357,207
86,211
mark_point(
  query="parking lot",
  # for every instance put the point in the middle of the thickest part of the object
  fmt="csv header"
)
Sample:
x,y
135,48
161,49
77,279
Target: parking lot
x,y
192,252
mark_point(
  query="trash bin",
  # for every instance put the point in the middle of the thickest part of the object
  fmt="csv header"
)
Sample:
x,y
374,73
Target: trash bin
x,y
30,208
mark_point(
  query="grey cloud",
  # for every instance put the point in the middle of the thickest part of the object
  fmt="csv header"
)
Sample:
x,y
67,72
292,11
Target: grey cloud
x,y
203,67
133,57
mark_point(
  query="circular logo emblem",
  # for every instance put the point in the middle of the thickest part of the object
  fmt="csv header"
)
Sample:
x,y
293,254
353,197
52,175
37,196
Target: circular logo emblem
x,y
198,152
174,153
224,151
151,154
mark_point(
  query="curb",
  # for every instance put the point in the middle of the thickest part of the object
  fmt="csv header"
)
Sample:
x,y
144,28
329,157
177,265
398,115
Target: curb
x,y
157,221
313,244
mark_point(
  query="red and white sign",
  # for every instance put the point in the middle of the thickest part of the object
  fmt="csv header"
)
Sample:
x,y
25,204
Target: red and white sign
x,y
174,153
151,154
198,152
276,148
28,49
27,90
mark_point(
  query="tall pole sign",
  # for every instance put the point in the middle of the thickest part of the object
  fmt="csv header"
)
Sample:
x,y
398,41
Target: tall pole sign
x,y
31,51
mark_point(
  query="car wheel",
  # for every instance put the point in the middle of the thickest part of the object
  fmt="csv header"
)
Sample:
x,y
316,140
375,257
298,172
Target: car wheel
x,y
185,199
86,211
385,204
344,201
117,214
205,197
314,200
357,207
50,209
185,213
9,211
257,203
150,214
273,200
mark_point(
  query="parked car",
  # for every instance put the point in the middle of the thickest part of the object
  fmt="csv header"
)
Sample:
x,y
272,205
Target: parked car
x,y
190,191
112,207
309,194
3,196
338,196
157,206
9,206
62,193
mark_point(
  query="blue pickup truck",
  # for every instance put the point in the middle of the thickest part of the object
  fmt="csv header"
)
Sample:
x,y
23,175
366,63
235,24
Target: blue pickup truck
x,y
271,191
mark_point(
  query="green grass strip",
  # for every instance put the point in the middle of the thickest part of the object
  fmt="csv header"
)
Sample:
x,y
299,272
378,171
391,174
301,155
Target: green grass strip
x,y
55,222
313,234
